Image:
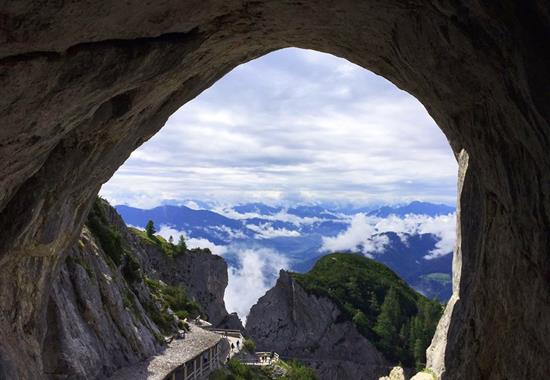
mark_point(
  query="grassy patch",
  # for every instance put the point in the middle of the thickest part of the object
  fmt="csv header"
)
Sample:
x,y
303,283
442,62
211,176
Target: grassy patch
x,y
298,371
111,242
249,345
169,249
235,370
109,239
173,297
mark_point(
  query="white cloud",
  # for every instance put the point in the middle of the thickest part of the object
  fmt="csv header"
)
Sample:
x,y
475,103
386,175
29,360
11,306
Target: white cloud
x,y
257,272
266,231
363,234
293,122
360,235
231,233
192,205
281,216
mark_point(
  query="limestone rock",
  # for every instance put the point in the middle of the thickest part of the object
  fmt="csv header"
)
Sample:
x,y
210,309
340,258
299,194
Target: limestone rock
x,y
202,274
424,376
96,319
296,324
396,373
231,322
96,323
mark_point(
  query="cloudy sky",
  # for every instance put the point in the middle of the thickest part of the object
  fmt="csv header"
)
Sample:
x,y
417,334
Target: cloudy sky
x,y
294,125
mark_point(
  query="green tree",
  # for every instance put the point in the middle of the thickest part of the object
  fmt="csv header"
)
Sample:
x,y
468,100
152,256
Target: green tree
x,y
419,353
182,246
403,333
374,306
150,229
249,345
389,320
361,321
298,371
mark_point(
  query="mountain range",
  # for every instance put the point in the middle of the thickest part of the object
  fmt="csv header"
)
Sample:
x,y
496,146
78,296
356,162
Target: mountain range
x,y
299,232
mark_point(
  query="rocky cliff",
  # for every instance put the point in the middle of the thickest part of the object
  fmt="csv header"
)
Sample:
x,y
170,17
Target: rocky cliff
x,y
201,273
96,321
106,310
296,324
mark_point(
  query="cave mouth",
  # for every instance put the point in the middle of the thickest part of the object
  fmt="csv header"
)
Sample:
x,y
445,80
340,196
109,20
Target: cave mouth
x,y
276,130
298,128
81,99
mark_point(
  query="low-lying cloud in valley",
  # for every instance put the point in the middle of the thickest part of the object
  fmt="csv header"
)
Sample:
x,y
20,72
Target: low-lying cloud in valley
x,y
365,233
266,231
255,272
254,260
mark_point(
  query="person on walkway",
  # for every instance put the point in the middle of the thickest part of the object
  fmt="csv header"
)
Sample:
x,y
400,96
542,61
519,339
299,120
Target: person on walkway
x,y
232,346
238,345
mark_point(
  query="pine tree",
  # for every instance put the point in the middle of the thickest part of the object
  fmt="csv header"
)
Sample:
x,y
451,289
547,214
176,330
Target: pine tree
x,y
419,353
373,304
389,320
150,229
361,321
403,333
182,246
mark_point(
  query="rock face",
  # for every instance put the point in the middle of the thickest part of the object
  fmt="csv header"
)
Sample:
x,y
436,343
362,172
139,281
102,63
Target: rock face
x,y
201,273
83,86
98,320
396,373
299,325
96,323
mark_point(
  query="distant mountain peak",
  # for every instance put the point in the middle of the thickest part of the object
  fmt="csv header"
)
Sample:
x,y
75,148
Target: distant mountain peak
x,y
415,207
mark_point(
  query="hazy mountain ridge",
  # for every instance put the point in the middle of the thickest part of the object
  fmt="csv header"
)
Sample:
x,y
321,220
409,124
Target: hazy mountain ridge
x,y
299,234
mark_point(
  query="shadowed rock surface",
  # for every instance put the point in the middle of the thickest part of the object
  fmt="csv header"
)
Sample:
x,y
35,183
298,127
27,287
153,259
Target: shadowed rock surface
x,y
96,323
83,85
299,325
101,317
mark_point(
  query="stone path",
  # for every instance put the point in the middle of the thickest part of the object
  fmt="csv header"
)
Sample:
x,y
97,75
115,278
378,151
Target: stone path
x,y
178,352
237,348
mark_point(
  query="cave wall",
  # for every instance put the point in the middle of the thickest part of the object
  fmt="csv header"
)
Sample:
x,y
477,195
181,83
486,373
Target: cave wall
x,y
83,84
96,319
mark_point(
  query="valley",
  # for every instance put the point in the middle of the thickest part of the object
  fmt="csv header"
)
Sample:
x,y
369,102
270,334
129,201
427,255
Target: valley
x,y
160,305
402,237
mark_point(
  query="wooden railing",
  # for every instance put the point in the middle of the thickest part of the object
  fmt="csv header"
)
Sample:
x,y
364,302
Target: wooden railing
x,y
263,358
226,332
203,364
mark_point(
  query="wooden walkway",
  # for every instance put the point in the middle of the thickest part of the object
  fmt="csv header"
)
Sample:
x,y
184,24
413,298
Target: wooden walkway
x,y
191,358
